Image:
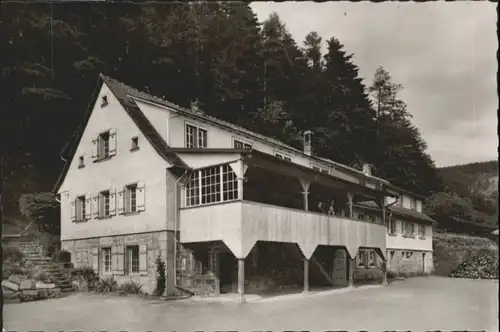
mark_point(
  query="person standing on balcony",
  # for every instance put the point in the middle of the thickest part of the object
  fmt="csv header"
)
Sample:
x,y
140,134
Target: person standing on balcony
x,y
331,209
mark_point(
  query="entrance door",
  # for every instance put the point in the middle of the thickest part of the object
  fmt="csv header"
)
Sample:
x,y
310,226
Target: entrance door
x,y
227,269
340,267
423,262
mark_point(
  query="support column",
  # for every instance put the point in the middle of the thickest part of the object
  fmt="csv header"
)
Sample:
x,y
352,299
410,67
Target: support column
x,y
306,275
384,278
240,187
350,197
305,183
241,279
383,211
351,272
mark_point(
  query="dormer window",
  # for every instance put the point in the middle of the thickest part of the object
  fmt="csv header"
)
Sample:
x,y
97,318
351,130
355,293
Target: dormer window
x,y
282,156
135,144
195,137
104,101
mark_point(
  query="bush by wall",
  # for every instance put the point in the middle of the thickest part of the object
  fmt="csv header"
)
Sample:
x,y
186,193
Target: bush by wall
x,y
161,277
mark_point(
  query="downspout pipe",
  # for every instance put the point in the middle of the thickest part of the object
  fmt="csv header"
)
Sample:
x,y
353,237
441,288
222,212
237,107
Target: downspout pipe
x,y
176,221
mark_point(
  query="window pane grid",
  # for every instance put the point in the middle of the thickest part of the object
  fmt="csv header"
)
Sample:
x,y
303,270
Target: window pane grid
x,y
202,138
190,136
211,185
106,259
133,259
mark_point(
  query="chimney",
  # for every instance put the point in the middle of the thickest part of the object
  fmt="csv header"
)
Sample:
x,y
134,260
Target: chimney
x,y
195,107
307,142
367,169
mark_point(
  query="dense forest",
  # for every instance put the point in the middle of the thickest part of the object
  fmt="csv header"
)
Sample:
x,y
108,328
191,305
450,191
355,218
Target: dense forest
x,y
217,54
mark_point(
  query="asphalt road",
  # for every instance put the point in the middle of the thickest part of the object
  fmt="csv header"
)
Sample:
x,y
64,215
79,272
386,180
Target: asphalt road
x,y
418,304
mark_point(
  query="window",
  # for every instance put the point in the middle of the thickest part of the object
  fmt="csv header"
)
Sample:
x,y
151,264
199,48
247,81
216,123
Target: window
x,y
372,259
80,208
81,162
320,169
104,101
241,145
361,258
104,204
281,156
103,145
135,144
409,229
413,203
195,137
131,198
421,231
212,184
392,227
106,260
409,255
132,259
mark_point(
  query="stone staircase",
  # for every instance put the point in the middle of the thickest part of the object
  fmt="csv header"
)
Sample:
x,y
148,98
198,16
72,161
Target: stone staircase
x,y
34,255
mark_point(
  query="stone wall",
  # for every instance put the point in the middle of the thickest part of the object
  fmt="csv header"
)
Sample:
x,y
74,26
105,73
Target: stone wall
x,y
408,262
86,252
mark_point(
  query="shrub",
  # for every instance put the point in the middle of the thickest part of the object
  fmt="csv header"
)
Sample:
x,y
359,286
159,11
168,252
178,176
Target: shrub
x,y
9,270
40,276
61,256
161,278
12,254
88,274
106,285
131,287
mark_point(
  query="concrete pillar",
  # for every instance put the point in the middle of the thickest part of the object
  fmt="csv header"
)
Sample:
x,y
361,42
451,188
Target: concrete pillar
x,y
305,196
241,279
351,272
240,188
306,275
350,197
384,278
305,183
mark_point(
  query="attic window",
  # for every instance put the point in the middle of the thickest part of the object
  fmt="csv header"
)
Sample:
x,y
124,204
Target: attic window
x,y
104,101
135,144
81,163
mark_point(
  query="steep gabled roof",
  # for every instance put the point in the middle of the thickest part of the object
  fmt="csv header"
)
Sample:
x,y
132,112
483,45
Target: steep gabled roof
x,y
121,92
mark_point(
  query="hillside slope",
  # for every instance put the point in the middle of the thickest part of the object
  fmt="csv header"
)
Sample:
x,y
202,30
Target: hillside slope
x,y
478,184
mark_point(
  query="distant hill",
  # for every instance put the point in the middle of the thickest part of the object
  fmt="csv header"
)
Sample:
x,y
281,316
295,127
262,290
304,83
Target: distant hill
x,y
477,182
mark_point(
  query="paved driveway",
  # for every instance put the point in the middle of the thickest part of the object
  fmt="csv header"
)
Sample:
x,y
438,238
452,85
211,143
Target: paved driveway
x,y
415,304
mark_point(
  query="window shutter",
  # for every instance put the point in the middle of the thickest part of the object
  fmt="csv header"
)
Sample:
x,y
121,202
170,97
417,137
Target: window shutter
x,y
112,202
95,259
95,207
112,142
120,260
143,259
94,149
88,207
120,201
114,259
73,210
141,197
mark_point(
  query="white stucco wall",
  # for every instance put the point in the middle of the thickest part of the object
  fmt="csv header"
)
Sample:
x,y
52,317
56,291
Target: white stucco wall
x,y
398,241
126,167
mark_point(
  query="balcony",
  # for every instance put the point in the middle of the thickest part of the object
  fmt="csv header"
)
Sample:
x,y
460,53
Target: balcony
x,y
240,224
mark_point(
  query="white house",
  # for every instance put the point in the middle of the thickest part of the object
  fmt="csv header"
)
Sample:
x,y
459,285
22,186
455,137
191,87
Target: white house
x,y
227,209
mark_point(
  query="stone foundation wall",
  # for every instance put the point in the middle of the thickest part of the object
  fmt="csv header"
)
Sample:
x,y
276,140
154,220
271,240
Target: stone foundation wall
x,y
86,252
196,271
409,262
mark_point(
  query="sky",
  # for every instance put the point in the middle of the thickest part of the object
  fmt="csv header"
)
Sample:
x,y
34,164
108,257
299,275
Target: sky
x,y
444,55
